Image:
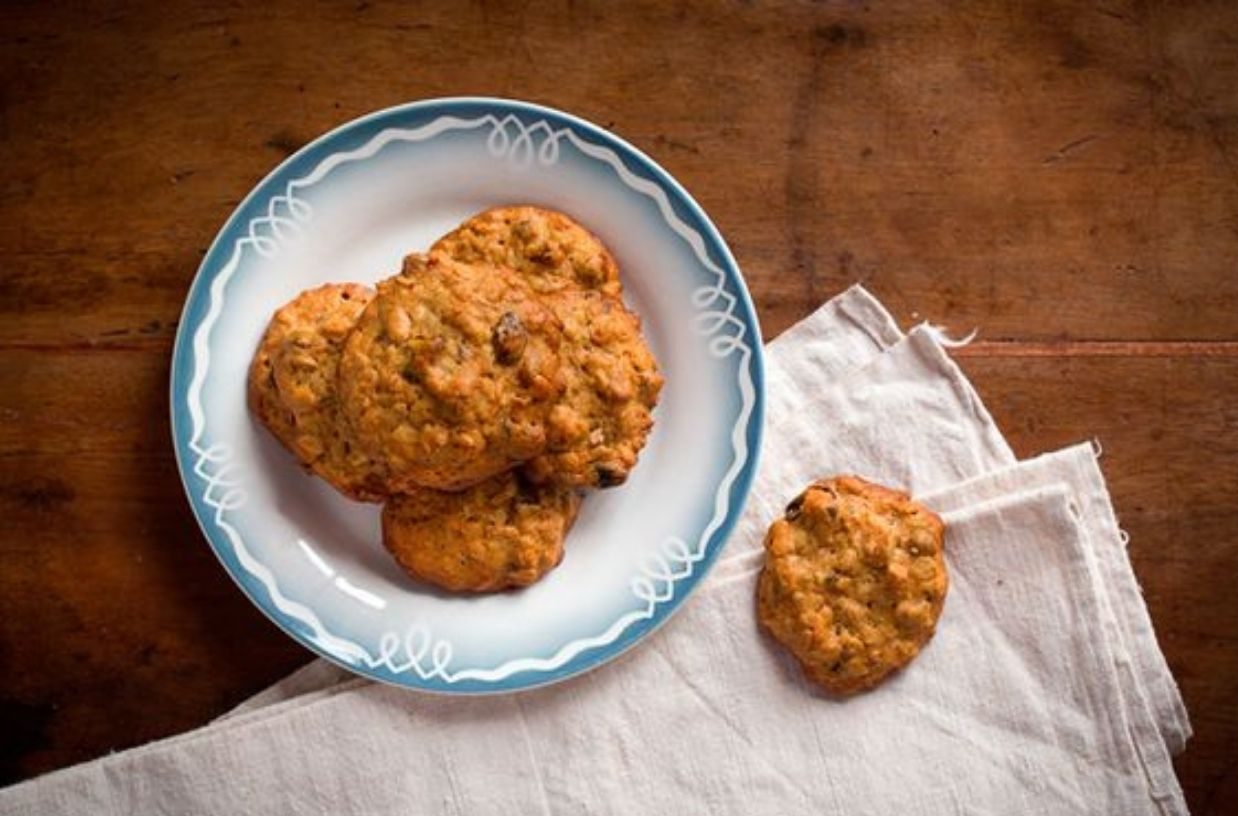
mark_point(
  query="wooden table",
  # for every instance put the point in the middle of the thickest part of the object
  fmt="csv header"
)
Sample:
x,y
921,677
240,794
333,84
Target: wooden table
x,y
1063,176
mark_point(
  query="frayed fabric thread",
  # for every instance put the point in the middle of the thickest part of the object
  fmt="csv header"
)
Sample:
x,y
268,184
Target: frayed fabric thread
x,y
943,338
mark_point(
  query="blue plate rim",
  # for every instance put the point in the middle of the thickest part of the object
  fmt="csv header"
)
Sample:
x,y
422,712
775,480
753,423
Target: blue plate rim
x,y
716,249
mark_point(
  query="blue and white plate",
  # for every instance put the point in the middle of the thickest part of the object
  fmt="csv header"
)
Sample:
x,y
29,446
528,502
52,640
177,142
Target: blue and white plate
x,y
348,207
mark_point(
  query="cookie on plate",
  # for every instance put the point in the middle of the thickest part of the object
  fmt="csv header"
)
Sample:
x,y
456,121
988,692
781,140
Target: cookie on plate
x,y
854,581
598,427
552,251
450,374
499,534
292,385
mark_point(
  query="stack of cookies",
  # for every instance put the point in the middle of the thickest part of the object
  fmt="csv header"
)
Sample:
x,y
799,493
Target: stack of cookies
x,y
476,395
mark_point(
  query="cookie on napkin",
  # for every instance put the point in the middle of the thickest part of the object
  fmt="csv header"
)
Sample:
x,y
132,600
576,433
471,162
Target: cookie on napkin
x,y
854,581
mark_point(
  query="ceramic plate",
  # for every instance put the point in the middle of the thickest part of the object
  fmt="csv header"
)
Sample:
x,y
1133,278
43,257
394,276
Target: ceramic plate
x,y
346,208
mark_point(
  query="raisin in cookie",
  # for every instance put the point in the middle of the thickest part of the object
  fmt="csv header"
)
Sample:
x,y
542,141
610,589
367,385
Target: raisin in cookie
x,y
598,427
450,373
854,581
499,534
548,248
292,391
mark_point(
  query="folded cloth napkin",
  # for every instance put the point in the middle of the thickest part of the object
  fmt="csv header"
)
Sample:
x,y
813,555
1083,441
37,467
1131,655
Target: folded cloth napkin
x,y
1014,707
1147,685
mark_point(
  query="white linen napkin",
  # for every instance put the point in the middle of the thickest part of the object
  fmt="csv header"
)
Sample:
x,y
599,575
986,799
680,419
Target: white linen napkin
x,y
1150,696
1014,706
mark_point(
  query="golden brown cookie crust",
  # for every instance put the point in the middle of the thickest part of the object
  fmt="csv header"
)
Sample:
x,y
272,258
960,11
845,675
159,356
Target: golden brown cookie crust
x,y
854,581
597,429
449,374
292,381
550,249
499,534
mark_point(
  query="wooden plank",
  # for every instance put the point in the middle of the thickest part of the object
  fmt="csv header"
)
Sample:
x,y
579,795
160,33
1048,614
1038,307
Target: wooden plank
x,y
119,625
1059,170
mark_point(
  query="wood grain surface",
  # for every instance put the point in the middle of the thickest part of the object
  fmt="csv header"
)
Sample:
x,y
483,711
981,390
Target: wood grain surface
x,y
1062,175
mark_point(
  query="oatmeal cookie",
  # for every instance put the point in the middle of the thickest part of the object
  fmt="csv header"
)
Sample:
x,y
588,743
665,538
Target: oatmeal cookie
x,y
291,387
501,533
597,429
854,581
450,373
548,248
